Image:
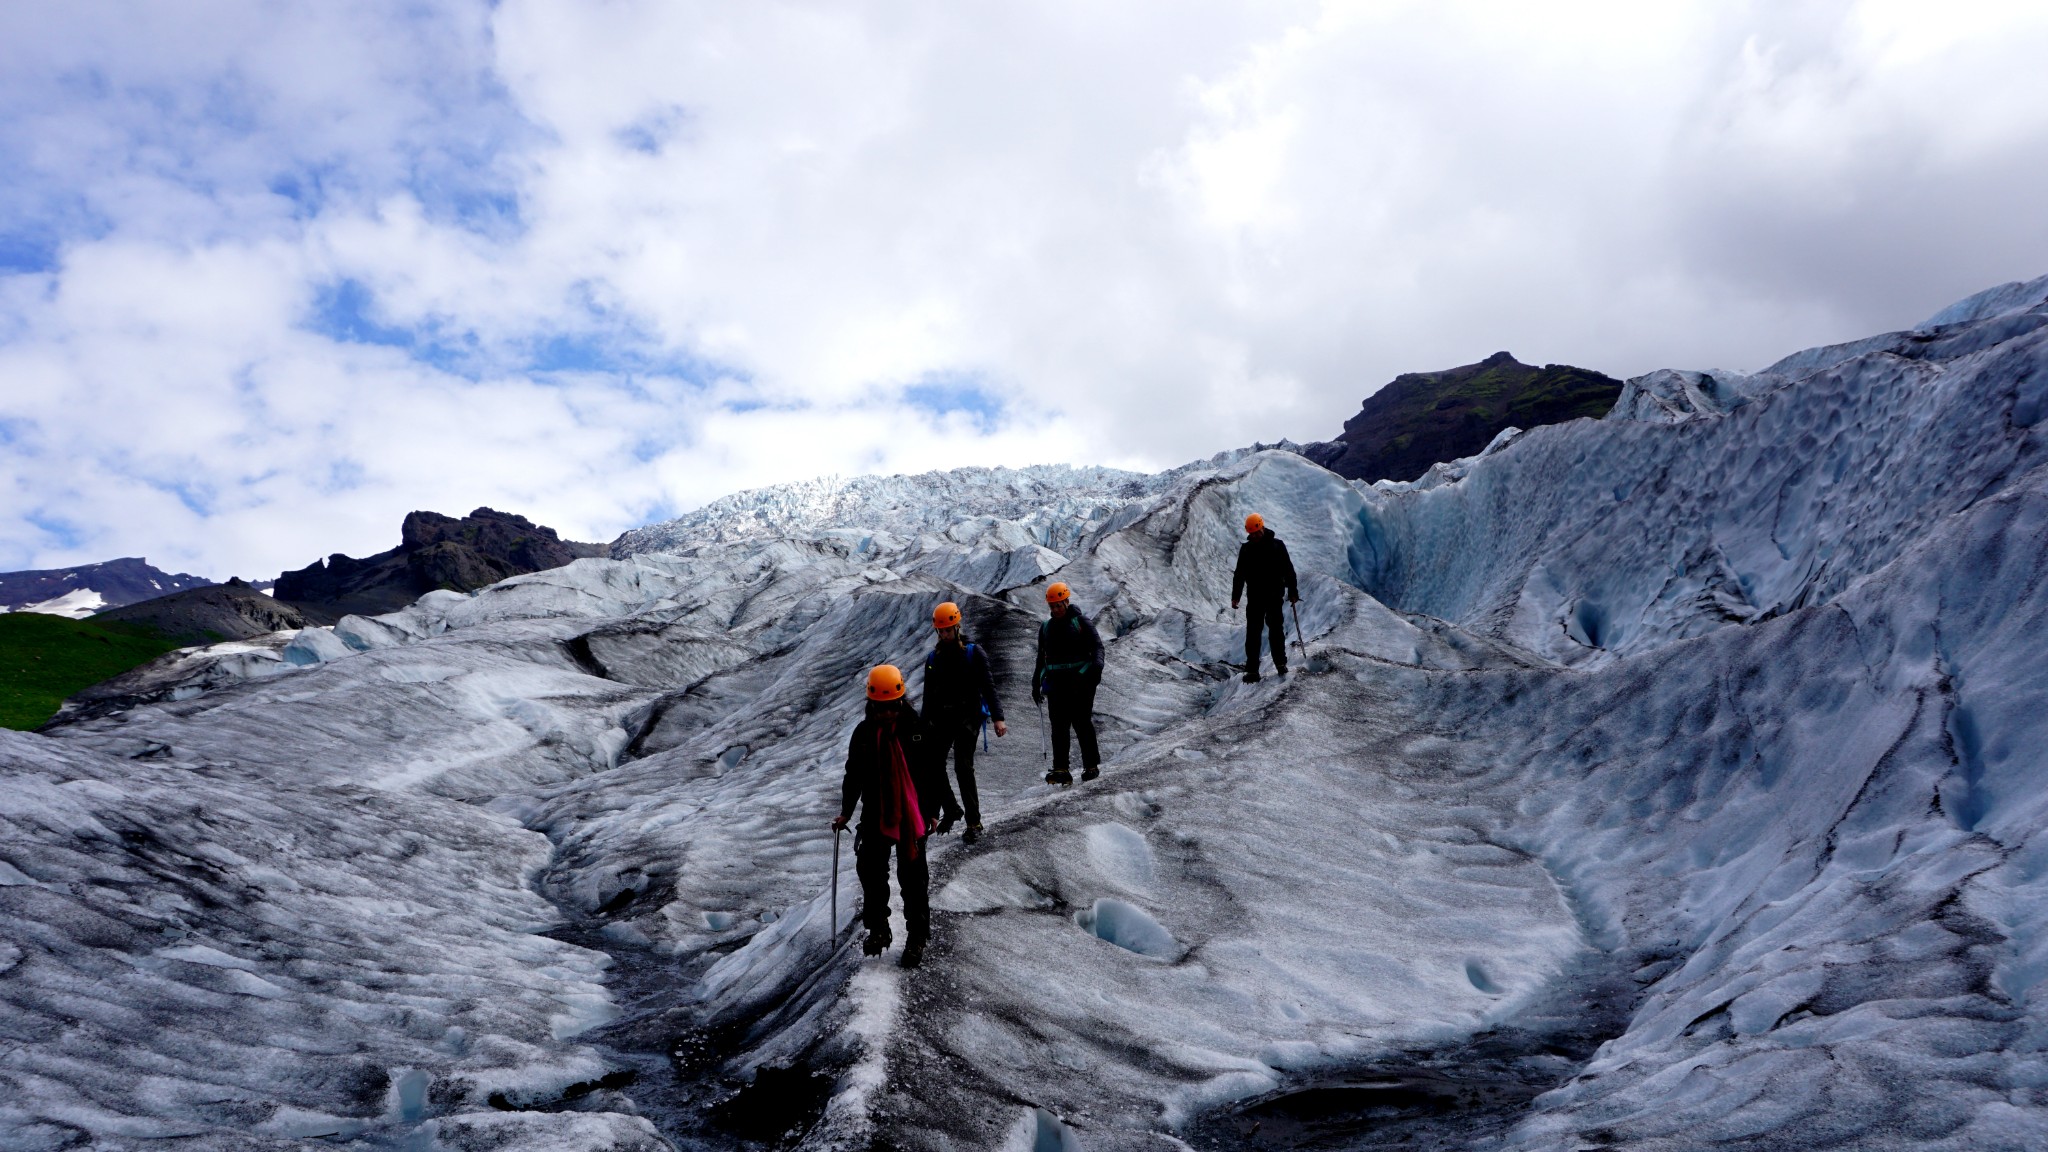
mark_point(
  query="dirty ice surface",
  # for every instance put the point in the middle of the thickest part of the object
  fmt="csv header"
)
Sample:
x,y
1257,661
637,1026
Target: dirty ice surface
x,y
1680,771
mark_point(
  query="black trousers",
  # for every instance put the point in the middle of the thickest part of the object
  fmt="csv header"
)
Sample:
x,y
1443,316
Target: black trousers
x,y
963,740
1072,705
871,852
1269,616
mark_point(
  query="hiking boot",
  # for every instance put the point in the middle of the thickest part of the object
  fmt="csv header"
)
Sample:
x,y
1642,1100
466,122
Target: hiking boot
x,y
947,819
1059,776
876,943
1279,669
1088,774
1252,677
972,834
913,953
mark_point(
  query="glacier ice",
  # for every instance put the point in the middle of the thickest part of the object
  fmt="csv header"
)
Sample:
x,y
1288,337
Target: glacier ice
x,y
1128,927
1682,769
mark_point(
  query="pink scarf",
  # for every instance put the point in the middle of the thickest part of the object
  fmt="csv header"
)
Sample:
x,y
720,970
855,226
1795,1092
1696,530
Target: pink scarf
x,y
901,821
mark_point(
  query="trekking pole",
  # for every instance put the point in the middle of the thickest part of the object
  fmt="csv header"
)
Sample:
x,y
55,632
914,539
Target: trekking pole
x,y
835,885
1297,633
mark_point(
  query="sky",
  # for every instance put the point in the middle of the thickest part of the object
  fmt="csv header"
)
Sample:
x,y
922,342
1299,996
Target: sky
x,y
274,273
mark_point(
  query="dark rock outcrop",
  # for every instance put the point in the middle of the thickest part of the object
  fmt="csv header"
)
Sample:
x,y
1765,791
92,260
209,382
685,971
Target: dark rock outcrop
x,y
1423,418
434,551
125,581
231,611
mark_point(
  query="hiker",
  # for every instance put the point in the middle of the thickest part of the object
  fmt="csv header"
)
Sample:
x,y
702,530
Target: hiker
x,y
959,704
1069,668
885,775
1265,571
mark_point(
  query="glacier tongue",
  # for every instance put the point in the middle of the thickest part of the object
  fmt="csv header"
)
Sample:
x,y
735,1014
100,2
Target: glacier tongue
x,y
1668,781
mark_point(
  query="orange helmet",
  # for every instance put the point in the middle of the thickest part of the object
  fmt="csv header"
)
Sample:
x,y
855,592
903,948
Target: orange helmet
x,y
885,683
946,615
1254,522
1057,593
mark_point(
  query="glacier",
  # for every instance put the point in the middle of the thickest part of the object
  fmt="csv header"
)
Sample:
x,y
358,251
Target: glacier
x,y
1668,781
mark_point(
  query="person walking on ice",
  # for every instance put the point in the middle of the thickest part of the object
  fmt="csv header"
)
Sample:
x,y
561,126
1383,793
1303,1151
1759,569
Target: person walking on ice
x,y
959,700
1265,571
1068,671
886,774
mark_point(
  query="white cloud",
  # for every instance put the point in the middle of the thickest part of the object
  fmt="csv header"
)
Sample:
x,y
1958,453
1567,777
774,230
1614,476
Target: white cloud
x,y
280,274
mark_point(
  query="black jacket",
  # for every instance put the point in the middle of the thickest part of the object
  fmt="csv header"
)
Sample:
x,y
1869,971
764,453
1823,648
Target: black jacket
x,y
1264,567
863,782
958,685
1068,649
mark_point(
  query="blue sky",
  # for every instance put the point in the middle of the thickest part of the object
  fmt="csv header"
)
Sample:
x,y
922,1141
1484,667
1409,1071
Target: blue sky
x,y
272,275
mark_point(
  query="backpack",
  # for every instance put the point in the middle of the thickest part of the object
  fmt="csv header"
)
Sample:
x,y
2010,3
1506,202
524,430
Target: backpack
x,y
931,661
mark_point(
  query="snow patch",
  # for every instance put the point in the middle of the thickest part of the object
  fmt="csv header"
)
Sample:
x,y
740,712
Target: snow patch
x,y
76,604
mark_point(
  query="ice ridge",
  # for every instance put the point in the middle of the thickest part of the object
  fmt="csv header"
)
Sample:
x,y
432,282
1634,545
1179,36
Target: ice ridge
x,y
1056,500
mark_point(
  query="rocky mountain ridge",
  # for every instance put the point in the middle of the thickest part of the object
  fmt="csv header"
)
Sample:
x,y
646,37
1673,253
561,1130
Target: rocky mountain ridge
x,y
434,552
80,591
1425,418
236,610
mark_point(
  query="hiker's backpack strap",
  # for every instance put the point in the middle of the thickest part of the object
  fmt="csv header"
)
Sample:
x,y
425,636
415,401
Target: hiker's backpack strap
x,y
978,699
931,658
977,695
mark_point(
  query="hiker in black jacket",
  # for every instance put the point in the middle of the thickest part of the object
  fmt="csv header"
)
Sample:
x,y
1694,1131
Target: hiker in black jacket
x,y
1265,570
1069,668
887,774
959,701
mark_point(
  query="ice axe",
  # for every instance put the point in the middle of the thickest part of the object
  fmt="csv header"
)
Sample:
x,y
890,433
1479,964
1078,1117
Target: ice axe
x,y
1291,607
835,885
1043,744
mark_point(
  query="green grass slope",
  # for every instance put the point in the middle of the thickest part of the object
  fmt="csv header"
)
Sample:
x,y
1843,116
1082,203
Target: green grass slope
x,y
1422,418
43,659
